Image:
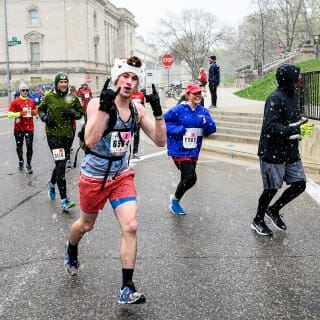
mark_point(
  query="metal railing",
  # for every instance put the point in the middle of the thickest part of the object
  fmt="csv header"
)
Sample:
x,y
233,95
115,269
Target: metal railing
x,y
310,95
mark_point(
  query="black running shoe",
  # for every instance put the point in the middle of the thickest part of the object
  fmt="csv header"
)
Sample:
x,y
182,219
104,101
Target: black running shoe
x,y
261,228
29,168
275,218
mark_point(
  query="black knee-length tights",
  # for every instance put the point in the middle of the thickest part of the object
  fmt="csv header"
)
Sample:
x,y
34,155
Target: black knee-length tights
x,y
188,177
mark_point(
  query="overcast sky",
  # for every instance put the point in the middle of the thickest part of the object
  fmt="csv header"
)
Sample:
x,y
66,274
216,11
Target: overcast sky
x,y
148,13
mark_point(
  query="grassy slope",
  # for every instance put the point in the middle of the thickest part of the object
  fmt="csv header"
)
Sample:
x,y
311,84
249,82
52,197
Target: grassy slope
x,y
260,89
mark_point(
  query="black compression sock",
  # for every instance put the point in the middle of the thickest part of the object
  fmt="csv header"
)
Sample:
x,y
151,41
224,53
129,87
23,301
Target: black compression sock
x,y
127,275
73,250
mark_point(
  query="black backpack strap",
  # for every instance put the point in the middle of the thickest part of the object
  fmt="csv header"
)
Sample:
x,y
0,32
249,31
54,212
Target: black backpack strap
x,y
111,160
76,157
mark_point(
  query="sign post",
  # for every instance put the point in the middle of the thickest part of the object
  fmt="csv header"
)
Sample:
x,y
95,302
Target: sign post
x,y
167,61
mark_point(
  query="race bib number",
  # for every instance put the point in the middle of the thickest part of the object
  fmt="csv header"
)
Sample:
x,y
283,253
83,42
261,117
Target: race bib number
x,y
28,112
86,95
58,154
117,144
190,138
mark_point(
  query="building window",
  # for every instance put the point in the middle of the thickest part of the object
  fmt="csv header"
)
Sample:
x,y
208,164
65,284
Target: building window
x,y
34,19
35,52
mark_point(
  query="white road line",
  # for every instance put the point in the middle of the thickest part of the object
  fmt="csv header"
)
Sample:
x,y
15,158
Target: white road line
x,y
152,155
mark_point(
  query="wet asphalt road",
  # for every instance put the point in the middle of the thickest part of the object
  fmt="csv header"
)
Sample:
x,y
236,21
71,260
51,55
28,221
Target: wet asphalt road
x,y
208,264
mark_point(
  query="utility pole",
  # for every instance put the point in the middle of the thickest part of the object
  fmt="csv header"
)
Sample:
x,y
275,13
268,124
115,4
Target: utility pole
x,y
7,50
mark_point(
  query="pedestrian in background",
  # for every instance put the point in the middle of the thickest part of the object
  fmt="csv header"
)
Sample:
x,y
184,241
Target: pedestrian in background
x,y
137,97
203,79
186,124
57,110
278,150
213,80
105,173
85,95
22,110
36,95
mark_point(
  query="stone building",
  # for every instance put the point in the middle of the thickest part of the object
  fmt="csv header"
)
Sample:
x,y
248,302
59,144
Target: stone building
x,y
82,38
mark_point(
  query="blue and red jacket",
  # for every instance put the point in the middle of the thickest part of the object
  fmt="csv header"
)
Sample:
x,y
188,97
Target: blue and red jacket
x,y
179,120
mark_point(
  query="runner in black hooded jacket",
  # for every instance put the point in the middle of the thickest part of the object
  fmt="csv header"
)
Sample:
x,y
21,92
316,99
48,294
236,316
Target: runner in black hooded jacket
x,y
280,159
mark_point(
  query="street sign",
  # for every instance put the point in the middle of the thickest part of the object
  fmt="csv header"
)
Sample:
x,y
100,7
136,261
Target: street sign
x,y
167,60
13,42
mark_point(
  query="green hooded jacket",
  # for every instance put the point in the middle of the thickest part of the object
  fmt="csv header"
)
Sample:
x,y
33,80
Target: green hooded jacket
x,y
53,104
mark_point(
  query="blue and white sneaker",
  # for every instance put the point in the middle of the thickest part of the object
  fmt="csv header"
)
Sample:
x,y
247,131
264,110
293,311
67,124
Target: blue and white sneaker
x,y
72,266
51,190
175,206
129,295
66,204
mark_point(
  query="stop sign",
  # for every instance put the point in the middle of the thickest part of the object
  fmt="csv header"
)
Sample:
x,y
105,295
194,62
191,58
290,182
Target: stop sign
x,y
167,60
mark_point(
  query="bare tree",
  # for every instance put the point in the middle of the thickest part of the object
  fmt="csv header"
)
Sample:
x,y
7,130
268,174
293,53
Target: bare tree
x,y
191,37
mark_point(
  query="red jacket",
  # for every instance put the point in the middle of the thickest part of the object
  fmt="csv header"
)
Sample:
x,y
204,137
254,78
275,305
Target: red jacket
x,y
85,95
23,123
203,76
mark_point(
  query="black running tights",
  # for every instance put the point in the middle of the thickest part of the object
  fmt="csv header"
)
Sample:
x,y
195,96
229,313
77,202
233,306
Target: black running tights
x,y
295,189
28,136
59,172
188,177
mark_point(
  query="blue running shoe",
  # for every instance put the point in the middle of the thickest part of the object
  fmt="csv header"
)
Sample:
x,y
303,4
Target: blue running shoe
x,y
66,204
72,265
129,295
51,190
175,206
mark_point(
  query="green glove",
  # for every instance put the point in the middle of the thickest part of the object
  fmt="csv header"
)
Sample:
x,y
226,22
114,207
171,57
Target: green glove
x,y
306,129
13,115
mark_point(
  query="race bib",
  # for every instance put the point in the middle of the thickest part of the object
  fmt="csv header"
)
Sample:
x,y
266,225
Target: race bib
x,y
86,95
28,110
118,145
190,138
58,154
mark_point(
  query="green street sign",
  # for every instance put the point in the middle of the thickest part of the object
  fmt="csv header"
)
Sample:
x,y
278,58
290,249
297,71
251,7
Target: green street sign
x,y
14,42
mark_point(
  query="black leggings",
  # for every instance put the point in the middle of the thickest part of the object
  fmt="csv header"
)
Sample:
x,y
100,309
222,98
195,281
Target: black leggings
x,y
188,177
59,172
20,136
295,189
213,93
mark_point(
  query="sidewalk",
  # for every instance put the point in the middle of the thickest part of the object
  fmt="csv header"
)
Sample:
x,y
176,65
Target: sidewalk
x,y
229,102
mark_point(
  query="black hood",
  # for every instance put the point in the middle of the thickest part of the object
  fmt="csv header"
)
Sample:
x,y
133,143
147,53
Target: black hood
x,y
287,76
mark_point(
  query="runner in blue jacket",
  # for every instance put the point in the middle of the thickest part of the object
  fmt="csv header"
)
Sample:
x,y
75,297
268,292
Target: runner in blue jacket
x,y
186,124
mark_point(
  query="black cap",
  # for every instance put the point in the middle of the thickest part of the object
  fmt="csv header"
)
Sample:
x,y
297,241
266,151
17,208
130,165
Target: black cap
x,y
213,58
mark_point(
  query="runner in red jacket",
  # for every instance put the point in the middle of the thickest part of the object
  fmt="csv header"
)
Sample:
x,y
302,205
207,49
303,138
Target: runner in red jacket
x,y
22,110
203,79
85,95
